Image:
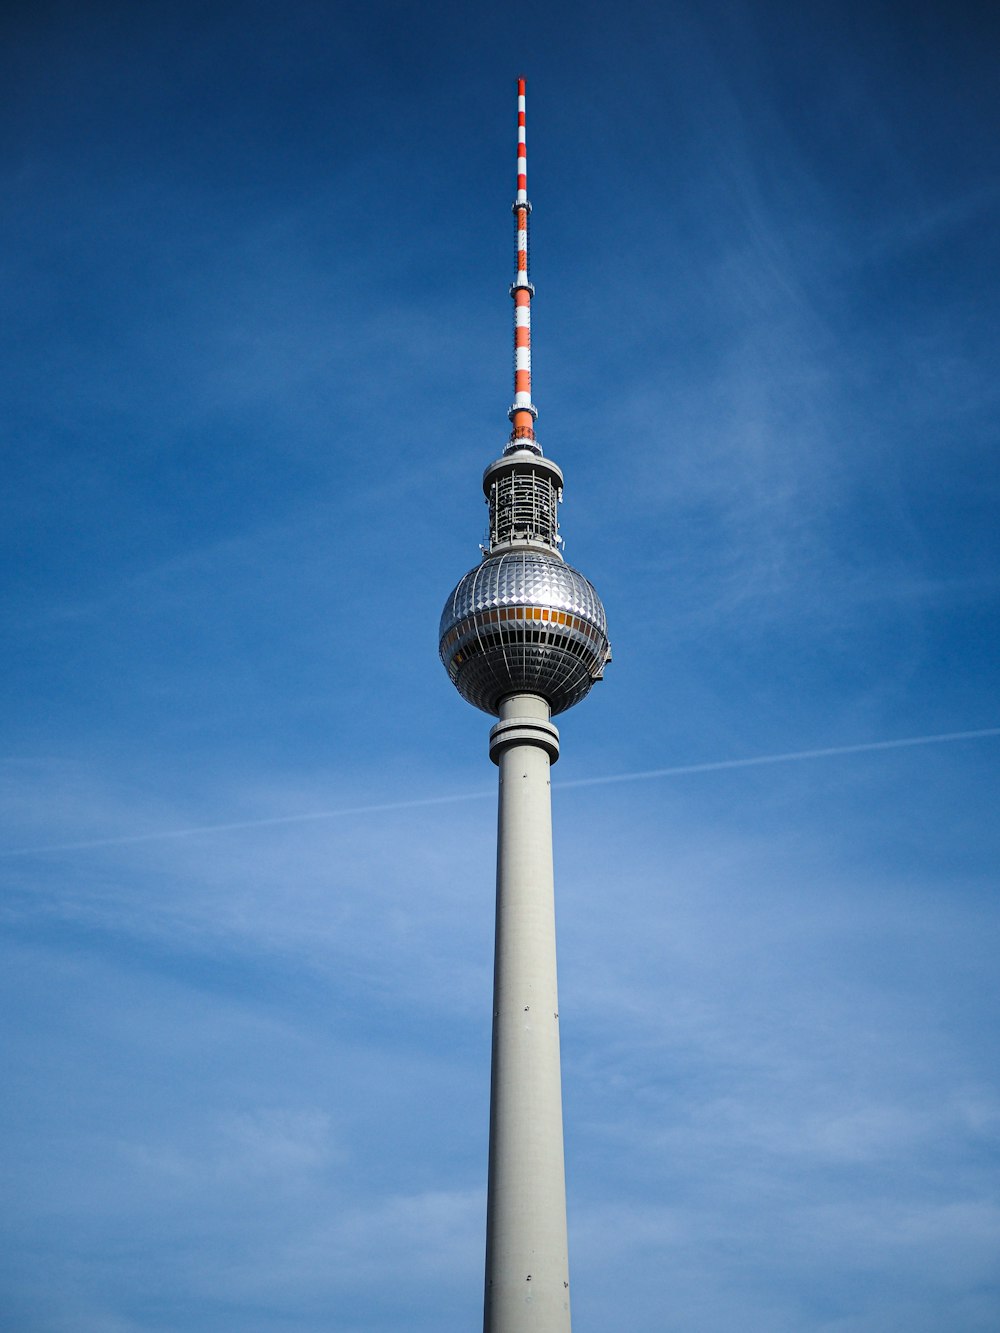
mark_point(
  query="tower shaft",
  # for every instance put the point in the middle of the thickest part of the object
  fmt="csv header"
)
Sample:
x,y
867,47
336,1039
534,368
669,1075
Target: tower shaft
x,y
527,1268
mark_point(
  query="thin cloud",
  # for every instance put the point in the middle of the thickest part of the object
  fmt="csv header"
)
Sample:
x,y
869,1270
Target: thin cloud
x,y
677,770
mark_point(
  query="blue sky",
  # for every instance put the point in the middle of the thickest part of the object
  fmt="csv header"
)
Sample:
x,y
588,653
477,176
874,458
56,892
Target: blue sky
x,y
257,350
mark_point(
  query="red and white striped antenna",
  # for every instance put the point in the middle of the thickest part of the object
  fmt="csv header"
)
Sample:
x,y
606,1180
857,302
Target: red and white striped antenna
x,y
522,411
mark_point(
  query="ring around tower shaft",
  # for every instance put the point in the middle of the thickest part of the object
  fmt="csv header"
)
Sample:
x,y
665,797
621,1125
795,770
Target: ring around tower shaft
x,y
527,1266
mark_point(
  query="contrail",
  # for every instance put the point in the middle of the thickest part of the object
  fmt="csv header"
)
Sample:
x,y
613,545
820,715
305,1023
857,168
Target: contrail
x,y
646,774
788,757
195,829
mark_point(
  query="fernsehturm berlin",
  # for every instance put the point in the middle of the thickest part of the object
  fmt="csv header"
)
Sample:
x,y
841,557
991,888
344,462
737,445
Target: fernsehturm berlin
x,y
524,636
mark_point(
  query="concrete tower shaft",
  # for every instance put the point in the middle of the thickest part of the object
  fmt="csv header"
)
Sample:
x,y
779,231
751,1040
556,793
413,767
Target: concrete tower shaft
x,y
527,1260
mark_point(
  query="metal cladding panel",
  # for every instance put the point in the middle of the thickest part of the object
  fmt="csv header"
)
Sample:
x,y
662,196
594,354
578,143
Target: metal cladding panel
x,y
524,578
523,622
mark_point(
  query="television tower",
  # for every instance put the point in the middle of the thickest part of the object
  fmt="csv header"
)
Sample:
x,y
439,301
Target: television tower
x,y
523,637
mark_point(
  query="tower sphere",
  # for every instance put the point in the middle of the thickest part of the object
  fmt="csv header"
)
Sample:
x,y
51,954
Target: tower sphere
x,y
524,622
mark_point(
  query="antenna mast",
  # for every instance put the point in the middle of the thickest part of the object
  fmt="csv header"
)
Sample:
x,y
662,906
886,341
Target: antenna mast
x,y
522,412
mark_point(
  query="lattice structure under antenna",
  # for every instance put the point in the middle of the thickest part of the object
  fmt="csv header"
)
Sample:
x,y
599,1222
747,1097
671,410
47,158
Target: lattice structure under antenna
x,y
523,506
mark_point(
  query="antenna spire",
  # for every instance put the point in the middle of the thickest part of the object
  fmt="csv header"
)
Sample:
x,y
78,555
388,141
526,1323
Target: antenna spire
x,y
522,412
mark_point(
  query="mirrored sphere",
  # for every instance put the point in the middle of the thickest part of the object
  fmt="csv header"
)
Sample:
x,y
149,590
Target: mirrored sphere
x,y
524,623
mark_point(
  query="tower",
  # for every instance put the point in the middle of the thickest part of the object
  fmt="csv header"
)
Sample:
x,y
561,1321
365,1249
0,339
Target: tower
x,y
523,637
